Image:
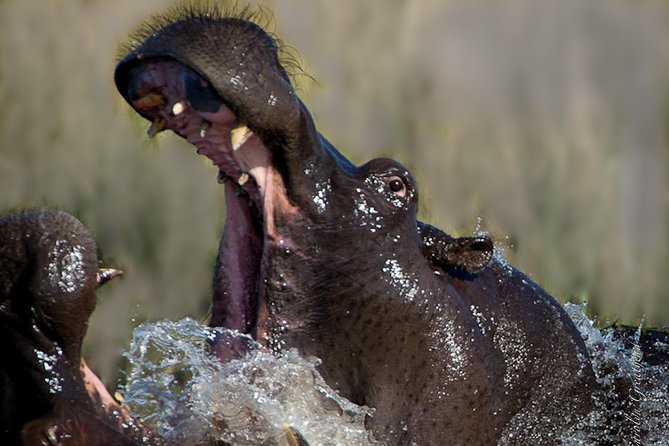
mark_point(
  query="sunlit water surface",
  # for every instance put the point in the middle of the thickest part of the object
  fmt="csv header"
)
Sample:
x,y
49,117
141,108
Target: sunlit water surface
x,y
187,395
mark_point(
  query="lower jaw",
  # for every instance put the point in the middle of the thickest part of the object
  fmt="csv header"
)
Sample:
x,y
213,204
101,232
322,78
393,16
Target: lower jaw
x,y
249,237
236,304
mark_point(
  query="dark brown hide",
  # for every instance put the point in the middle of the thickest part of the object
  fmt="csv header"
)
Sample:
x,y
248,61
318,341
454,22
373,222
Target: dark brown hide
x,y
447,344
48,278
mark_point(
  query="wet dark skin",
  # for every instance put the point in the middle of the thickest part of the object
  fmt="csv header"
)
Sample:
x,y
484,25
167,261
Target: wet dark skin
x,y
449,345
48,396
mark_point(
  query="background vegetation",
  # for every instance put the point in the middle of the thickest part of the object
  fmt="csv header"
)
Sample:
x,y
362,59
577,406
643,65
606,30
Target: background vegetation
x,y
546,119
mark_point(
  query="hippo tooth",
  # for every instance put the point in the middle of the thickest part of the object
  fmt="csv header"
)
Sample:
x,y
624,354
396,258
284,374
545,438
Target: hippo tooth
x,y
119,397
178,108
221,177
239,135
156,127
150,100
204,127
294,437
243,178
51,435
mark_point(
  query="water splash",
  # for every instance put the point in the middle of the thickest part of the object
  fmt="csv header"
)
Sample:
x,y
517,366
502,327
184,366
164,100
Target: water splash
x,y
180,389
636,406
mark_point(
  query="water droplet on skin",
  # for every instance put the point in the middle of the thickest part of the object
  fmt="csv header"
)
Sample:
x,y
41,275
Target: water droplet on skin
x,y
237,80
66,266
48,363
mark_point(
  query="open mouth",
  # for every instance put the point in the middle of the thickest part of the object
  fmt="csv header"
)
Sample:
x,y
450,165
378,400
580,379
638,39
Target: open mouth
x,y
173,96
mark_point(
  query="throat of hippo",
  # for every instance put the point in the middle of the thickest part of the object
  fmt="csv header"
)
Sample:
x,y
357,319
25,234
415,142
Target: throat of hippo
x,y
237,267
249,238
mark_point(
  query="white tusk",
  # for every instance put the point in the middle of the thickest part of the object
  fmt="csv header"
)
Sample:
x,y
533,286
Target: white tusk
x,y
204,127
239,135
243,178
178,108
156,127
119,397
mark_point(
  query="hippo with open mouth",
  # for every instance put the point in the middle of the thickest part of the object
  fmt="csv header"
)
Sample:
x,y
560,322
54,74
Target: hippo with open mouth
x,y
448,344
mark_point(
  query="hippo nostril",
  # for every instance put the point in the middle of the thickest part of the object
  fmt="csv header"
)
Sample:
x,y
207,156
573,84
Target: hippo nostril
x,y
199,93
482,245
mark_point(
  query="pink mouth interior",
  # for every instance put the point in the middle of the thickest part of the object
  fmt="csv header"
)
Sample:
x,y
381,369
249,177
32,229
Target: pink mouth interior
x,y
254,189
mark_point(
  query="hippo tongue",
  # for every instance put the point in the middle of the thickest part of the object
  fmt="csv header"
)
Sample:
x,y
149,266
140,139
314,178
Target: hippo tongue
x,y
237,274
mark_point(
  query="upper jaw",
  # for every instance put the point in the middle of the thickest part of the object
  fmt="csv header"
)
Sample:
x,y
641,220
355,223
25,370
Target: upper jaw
x,y
173,97
255,188
218,83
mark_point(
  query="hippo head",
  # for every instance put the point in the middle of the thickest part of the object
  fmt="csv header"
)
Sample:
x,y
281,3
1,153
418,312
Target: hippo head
x,y
298,212
328,257
48,278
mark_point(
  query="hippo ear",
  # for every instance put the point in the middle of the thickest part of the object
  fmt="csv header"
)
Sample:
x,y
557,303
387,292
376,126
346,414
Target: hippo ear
x,y
107,274
470,254
473,254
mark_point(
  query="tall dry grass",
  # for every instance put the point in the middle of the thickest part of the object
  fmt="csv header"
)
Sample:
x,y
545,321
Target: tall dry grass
x,y
546,119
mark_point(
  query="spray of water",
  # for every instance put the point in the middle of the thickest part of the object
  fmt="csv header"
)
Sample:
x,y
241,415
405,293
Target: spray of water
x,y
183,391
636,387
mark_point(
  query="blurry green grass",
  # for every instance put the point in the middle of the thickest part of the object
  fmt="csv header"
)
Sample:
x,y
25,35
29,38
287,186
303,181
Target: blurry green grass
x,y
546,119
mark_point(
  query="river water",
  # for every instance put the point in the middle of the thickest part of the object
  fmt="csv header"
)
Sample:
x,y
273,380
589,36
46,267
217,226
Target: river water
x,y
188,396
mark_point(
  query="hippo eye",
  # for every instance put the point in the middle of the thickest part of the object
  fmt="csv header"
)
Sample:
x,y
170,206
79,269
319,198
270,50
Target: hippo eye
x,y
396,185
